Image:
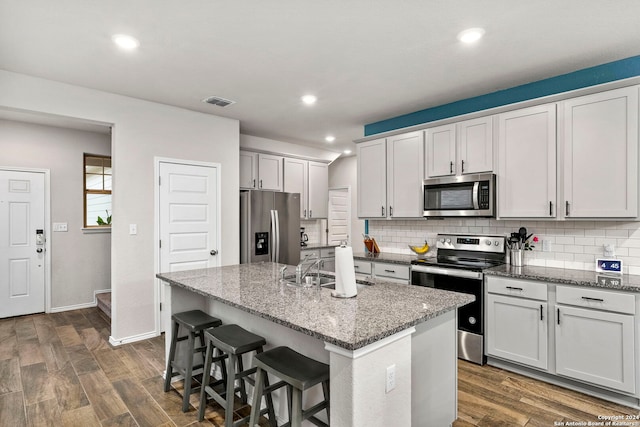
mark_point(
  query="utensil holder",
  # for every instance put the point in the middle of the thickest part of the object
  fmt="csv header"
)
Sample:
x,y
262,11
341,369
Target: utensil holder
x,y
517,257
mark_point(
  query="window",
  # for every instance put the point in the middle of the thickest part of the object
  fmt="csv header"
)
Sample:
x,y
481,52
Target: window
x,y
97,190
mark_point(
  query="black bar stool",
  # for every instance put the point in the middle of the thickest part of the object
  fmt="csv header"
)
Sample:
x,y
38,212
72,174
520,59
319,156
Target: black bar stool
x,y
233,341
195,322
298,373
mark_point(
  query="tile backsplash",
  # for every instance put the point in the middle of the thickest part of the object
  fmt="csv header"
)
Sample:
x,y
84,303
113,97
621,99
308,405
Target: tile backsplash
x,y
572,244
313,229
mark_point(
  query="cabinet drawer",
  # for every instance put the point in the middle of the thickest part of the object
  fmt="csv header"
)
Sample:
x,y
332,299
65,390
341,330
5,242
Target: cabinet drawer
x,y
517,288
315,254
362,267
395,271
596,298
328,253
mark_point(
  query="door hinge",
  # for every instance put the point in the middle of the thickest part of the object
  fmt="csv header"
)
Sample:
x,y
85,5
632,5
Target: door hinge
x,y
160,306
160,244
159,180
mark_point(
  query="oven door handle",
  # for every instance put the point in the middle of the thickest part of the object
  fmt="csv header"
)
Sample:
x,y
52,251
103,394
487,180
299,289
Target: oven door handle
x,y
465,274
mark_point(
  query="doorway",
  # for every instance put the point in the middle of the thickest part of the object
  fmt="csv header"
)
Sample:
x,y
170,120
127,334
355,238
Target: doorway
x,y
24,250
188,221
339,220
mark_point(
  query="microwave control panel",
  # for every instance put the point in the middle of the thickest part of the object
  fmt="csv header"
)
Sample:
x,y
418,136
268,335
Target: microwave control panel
x,y
483,196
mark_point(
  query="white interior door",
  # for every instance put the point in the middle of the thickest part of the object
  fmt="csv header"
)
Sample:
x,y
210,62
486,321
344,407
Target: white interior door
x,y
22,253
339,222
188,218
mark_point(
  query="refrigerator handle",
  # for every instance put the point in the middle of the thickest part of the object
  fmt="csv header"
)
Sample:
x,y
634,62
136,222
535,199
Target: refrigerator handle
x,y
272,240
276,236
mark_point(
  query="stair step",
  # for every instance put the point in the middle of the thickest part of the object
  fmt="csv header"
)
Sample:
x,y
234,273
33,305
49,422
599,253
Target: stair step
x,y
104,302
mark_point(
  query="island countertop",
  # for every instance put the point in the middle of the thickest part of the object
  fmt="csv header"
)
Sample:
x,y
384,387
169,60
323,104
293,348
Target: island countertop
x,y
378,311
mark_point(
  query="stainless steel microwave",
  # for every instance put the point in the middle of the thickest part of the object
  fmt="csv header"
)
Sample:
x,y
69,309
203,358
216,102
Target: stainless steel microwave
x,y
466,195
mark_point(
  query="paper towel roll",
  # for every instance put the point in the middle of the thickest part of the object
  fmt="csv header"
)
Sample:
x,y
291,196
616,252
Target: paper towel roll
x,y
345,273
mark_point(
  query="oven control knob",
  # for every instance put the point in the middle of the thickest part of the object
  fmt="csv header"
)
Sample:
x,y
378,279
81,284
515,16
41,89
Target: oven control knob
x,y
448,240
487,242
497,243
472,320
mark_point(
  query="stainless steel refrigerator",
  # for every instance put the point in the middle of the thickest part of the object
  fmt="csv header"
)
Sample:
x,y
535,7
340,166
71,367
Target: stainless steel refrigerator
x,y
269,227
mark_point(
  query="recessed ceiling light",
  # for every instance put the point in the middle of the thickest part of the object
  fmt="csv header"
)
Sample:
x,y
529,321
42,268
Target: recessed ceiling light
x,y
471,35
330,138
125,42
347,151
309,99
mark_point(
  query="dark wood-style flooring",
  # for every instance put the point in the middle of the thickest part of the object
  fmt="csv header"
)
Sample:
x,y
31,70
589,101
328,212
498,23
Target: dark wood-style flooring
x,y
60,370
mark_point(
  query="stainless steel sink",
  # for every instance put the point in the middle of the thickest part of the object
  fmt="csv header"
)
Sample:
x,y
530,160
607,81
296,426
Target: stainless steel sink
x,y
326,281
359,286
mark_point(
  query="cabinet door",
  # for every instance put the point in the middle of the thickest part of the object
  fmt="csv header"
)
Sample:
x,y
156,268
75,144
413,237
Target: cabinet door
x,y
270,172
517,330
527,163
404,175
248,170
475,145
318,190
601,155
372,179
440,155
596,346
295,181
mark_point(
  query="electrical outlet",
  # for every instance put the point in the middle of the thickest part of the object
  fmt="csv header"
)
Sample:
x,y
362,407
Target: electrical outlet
x,y
546,246
133,229
609,250
59,226
391,378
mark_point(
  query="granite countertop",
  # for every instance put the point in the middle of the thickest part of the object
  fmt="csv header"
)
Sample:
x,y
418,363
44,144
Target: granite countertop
x,y
390,258
624,282
315,246
378,311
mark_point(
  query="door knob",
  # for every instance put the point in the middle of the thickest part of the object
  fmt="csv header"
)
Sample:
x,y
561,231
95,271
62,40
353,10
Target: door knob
x,y
39,250
213,252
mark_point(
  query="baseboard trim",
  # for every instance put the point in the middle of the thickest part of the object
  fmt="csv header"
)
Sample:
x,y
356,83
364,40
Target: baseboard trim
x,y
133,338
94,303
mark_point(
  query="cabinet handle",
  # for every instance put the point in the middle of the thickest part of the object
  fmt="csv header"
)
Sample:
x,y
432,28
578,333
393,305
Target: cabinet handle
x,y
382,210
593,299
550,208
462,167
356,267
450,167
390,271
541,315
566,207
305,213
254,183
558,316
260,183
390,210
514,289
310,213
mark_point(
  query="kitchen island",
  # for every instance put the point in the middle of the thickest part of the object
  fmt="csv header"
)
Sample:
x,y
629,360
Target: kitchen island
x,y
386,327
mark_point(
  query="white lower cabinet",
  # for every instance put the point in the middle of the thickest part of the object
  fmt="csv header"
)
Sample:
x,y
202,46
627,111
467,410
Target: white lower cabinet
x,y
594,345
517,330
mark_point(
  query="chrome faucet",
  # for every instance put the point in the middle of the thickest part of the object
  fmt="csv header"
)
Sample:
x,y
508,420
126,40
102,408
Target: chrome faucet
x,y
302,272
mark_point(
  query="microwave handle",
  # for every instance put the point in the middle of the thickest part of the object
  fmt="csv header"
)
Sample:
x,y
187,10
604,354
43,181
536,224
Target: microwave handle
x,y
476,190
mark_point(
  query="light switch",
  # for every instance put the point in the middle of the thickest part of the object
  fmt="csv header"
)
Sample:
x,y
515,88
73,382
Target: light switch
x,y
59,226
133,229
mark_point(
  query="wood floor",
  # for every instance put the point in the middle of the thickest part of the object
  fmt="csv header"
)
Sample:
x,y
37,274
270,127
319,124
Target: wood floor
x,y
60,370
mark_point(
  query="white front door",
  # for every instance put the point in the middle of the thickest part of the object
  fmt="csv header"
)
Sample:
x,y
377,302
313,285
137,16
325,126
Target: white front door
x,y
22,253
188,218
339,222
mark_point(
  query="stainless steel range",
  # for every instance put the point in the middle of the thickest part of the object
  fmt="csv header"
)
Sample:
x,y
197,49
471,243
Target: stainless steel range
x,y
459,267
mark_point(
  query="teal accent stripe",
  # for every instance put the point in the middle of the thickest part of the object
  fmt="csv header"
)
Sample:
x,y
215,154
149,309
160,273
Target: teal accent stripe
x,y
366,226
617,70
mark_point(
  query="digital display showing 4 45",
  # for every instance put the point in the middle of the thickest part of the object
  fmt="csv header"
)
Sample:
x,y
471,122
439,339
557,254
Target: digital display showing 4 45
x,y
609,265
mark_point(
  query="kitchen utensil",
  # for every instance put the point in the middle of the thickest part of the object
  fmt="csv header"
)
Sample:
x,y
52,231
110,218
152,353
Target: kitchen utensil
x,y
523,234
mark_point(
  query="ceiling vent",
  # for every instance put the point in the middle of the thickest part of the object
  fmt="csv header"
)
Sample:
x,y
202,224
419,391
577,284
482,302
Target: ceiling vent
x,y
220,102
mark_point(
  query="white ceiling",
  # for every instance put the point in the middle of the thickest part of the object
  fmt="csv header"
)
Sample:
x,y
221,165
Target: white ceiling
x,y
366,60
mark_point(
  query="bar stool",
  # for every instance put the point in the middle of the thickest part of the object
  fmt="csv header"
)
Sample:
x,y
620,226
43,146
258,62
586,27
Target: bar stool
x,y
233,341
195,322
298,373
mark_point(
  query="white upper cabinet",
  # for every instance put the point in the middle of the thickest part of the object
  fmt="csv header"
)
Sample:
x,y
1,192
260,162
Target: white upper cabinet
x,y
270,172
248,170
440,155
372,179
601,155
318,195
526,172
404,175
260,171
296,181
311,180
460,148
